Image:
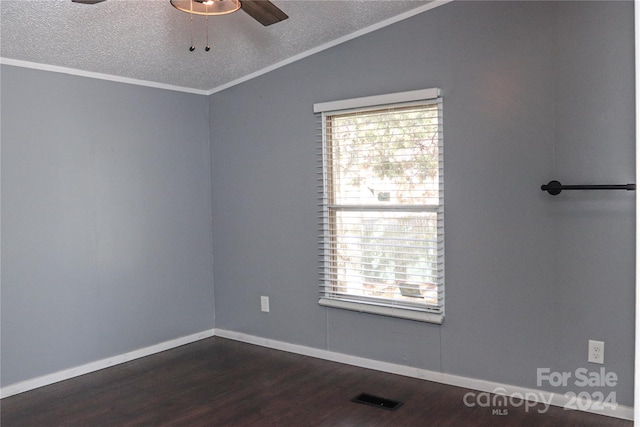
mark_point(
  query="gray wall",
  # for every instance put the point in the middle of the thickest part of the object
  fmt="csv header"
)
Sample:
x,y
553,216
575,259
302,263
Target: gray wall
x,y
107,200
106,220
532,92
594,115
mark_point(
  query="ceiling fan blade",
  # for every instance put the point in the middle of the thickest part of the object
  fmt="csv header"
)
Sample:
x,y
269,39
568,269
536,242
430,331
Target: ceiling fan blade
x,y
263,11
87,1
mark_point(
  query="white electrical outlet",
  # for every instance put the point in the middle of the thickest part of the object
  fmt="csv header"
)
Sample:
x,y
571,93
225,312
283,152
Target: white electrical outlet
x,y
596,351
264,304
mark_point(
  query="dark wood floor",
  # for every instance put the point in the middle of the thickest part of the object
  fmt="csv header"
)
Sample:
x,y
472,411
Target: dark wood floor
x,y
219,382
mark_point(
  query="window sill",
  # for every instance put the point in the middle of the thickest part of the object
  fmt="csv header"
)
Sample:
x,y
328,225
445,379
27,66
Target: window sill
x,y
402,313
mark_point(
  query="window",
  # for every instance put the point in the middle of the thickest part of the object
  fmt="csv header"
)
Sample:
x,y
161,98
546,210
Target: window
x,y
382,225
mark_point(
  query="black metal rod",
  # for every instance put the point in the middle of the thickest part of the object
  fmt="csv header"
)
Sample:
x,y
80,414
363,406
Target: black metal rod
x,y
554,187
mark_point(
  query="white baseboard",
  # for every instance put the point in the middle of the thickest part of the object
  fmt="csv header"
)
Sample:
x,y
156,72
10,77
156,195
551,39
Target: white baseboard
x,y
66,374
539,396
616,411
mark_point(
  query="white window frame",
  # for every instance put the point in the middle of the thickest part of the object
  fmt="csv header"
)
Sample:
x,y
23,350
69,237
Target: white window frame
x,y
424,313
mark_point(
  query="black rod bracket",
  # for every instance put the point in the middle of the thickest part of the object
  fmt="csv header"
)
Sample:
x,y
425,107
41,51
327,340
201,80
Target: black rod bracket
x,y
554,187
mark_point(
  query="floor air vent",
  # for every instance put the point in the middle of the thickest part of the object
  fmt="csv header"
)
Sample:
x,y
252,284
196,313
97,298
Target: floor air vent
x,y
378,402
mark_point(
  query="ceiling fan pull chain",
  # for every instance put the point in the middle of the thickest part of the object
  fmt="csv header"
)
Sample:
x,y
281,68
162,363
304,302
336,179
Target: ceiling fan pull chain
x,y
192,48
206,23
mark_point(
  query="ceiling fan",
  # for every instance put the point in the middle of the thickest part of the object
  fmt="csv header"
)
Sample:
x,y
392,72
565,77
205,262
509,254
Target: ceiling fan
x,y
262,11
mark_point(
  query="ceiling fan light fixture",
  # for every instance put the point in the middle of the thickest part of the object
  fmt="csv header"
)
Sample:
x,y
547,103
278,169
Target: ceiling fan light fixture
x,y
207,7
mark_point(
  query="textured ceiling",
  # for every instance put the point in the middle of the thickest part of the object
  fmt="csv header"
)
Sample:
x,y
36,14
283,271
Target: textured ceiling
x,y
149,39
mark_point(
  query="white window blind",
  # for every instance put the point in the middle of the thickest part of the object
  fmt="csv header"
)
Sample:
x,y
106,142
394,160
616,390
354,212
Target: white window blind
x,y
381,198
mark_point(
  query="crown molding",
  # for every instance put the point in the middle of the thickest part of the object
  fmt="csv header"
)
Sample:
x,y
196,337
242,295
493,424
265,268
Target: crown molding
x,y
99,76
